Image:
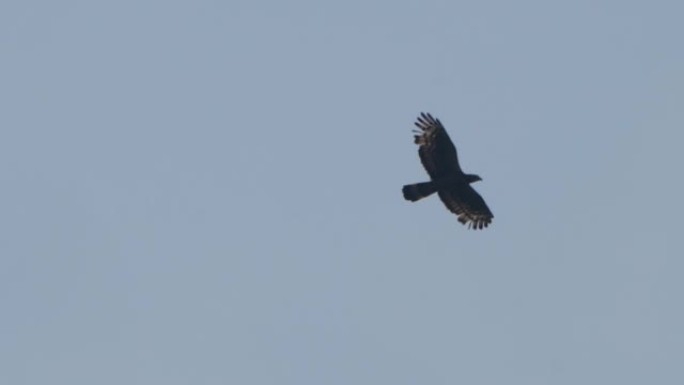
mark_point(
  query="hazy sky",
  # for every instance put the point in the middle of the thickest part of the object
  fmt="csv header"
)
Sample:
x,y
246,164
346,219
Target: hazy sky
x,y
209,192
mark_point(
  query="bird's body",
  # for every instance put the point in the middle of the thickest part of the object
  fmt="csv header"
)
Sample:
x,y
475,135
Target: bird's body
x,y
438,155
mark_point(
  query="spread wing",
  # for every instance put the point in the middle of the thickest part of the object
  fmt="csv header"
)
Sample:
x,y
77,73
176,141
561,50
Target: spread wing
x,y
464,201
438,155
436,150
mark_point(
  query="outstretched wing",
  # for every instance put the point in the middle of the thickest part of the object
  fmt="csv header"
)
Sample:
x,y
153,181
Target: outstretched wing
x,y
437,152
464,201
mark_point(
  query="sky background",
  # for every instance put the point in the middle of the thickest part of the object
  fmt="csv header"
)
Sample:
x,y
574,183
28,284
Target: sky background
x,y
208,192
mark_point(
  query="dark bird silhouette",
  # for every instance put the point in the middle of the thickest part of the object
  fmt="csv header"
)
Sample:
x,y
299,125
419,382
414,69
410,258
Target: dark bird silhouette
x,y
438,155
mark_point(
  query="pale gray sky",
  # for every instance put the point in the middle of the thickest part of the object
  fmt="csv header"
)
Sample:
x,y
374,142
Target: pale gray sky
x,y
209,192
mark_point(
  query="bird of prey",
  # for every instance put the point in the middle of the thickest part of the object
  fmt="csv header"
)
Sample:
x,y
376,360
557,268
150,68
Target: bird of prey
x,y
438,155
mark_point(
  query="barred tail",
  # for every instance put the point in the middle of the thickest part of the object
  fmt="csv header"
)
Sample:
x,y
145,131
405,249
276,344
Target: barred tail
x,y
413,192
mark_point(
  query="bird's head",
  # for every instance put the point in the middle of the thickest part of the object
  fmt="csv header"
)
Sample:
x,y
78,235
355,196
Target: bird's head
x,y
471,178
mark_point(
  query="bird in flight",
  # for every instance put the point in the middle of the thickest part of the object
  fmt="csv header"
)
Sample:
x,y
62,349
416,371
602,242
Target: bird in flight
x,y
438,155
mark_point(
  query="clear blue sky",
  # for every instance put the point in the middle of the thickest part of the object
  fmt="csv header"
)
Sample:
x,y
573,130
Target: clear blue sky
x,y
209,192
